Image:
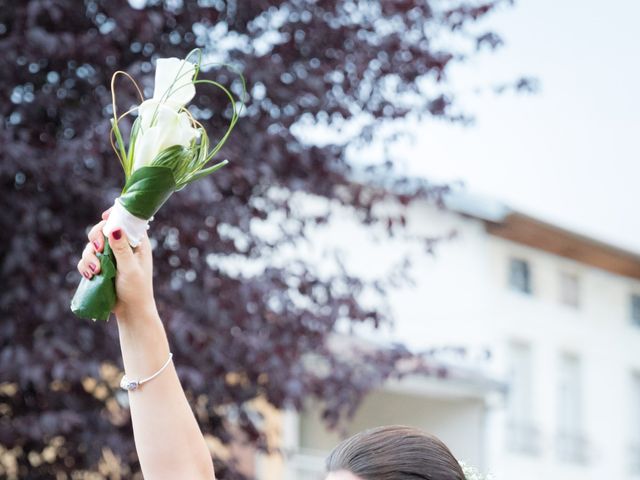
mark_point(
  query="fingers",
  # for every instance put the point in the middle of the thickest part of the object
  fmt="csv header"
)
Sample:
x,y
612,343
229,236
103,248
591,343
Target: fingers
x,y
121,249
89,263
144,246
96,237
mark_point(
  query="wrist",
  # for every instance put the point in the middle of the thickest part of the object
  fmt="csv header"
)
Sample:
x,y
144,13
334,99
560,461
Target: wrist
x,y
139,313
142,330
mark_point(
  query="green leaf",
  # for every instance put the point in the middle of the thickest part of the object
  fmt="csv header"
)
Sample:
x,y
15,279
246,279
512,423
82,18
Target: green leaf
x,y
147,189
132,146
122,155
94,299
206,171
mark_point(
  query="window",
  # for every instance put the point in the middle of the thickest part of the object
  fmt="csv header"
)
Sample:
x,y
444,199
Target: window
x,y
522,434
519,275
569,289
572,444
635,309
635,423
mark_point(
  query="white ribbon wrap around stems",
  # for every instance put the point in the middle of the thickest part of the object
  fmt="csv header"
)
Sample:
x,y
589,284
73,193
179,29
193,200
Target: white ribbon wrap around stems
x,y
133,227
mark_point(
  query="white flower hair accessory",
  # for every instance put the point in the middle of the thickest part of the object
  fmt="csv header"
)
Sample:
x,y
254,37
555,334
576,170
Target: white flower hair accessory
x,y
472,473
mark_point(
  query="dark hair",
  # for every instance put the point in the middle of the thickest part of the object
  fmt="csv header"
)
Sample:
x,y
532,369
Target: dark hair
x,y
395,453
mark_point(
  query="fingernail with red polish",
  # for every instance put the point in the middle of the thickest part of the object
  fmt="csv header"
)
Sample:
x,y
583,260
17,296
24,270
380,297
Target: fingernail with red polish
x,y
92,267
96,244
86,274
117,234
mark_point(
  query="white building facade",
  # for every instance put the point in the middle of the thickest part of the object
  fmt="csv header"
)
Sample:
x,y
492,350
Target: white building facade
x,y
559,396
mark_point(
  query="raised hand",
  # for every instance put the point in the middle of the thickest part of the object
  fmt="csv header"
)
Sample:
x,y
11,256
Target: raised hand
x,y
134,277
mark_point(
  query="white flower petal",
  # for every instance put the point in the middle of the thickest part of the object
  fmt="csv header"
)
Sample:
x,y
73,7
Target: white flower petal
x,y
174,82
155,113
146,111
162,127
147,147
184,130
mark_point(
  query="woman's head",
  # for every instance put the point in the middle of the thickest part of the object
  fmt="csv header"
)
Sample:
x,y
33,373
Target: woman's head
x,y
393,453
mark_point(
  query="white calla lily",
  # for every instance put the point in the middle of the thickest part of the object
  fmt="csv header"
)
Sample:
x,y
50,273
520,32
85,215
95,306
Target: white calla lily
x,y
169,128
162,125
174,82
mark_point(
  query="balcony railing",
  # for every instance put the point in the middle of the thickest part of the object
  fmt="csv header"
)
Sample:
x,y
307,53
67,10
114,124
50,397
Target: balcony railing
x,y
572,448
634,458
524,438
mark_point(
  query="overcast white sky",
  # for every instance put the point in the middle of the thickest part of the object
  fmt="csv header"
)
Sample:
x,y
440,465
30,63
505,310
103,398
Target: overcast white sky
x,y
568,154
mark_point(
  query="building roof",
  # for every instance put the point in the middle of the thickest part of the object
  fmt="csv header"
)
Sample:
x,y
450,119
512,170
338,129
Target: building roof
x,y
505,222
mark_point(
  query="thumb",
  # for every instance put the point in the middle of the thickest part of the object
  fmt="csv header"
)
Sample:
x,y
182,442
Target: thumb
x,y
121,249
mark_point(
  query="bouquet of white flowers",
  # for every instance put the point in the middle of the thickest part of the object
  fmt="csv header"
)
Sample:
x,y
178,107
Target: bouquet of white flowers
x,y
167,150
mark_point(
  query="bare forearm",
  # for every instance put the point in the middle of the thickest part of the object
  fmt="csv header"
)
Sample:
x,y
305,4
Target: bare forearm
x,y
168,439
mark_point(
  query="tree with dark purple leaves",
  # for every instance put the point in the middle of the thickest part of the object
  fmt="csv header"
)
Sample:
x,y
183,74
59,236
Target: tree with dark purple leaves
x,y
236,338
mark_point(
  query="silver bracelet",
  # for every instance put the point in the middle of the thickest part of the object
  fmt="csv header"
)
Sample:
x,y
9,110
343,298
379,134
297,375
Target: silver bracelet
x,y
130,385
